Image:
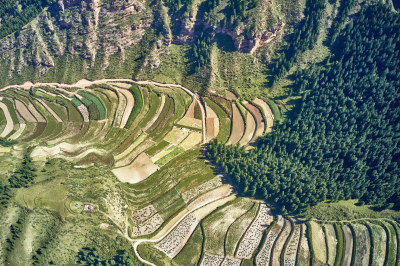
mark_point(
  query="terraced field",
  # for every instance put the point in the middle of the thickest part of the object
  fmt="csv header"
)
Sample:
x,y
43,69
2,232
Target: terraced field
x,y
142,144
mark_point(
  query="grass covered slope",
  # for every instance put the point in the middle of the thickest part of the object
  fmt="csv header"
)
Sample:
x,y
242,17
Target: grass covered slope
x,y
342,143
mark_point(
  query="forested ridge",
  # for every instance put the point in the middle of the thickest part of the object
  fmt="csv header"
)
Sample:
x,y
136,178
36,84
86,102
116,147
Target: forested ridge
x,y
343,142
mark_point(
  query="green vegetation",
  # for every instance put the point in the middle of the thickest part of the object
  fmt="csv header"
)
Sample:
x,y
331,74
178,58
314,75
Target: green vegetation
x,y
90,256
303,39
76,101
346,210
197,111
11,110
14,18
275,110
297,158
44,95
93,99
224,121
155,102
24,175
190,254
391,248
175,151
164,122
340,19
7,143
340,244
3,120
137,108
332,157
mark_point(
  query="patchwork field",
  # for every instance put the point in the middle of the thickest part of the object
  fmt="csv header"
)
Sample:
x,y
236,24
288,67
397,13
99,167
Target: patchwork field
x,y
125,159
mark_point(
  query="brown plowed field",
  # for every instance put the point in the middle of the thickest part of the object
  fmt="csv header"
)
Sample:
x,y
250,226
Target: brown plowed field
x,y
237,125
259,120
23,110
250,129
190,110
137,171
212,123
348,246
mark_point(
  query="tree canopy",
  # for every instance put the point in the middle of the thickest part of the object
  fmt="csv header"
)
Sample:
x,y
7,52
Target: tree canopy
x,y
343,142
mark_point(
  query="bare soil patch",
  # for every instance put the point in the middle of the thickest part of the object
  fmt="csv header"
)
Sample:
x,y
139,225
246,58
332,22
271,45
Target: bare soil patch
x,y
177,135
39,117
210,128
190,110
268,114
250,129
332,242
25,113
237,126
212,123
348,246
304,250
259,120
141,168
147,143
191,122
122,85
363,244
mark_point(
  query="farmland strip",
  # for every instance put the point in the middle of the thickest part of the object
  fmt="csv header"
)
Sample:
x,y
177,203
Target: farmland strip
x,y
363,244
237,124
331,243
279,243
253,234
267,113
56,117
292,246
264,256
10,124
24,112
259,121
155,117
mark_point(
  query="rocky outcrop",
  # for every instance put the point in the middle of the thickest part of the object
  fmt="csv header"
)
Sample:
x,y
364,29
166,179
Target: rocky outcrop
x,y
95,30
246,40
76,27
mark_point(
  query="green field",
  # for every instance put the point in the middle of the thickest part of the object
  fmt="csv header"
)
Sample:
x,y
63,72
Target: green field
x,y
137,108
95,100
